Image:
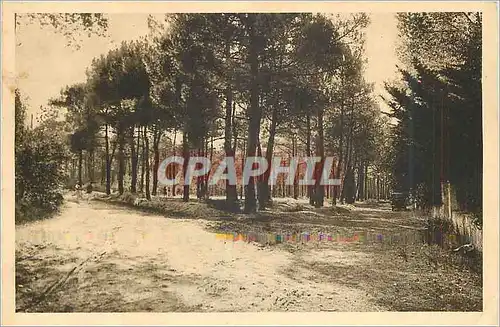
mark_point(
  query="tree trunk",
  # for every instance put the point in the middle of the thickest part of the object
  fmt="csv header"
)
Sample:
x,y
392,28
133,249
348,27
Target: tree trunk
x,y
156,159
199,179
103,170
255,110
207,178
172,169
361,182
320,189
365,176
348,184
310,190
108,162
295,183
341,145
185,152
134,161
231,196
121,161
378,187
90,165
243,150
146,146
235,130
143,163
80,166
264,190
229,129
348,154
85,167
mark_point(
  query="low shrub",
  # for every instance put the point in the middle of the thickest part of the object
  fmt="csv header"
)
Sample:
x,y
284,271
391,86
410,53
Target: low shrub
x,y
39,177
31,209
297,207
128,198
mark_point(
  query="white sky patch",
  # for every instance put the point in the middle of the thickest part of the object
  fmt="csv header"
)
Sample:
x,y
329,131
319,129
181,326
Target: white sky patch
x,y
45,63
381,42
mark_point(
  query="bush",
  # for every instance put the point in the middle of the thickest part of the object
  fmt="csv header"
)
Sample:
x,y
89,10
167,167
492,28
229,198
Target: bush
x,y
296,208
38,177
440,224
477,218
438,231
128,198
99,188
29,210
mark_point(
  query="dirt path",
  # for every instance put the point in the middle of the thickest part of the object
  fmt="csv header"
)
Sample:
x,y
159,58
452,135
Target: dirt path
x,y
157,264
126,260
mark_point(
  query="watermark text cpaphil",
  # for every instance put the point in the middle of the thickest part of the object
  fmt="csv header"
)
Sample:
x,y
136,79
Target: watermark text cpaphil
x,y
314,170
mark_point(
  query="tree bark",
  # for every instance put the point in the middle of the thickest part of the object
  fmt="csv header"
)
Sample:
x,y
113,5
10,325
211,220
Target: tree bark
x,y
174,167
365,176
310,190
255,110
185,153
90,165
143,163
348,184
295,182
338,171
156,159
378,187
231,195
134,161
243,150
121,161
146,146
207,189
320,189
80,166
264,189
103,170
108,162
200,179
361,182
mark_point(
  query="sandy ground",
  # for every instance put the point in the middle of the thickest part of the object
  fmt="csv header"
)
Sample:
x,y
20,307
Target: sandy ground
x,y
98,257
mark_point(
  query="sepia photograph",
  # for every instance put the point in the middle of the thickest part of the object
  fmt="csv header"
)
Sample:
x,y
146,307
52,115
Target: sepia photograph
x,y
231,161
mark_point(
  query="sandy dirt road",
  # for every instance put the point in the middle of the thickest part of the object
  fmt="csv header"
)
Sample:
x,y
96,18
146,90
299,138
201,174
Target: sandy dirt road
x,y
145,262
97,257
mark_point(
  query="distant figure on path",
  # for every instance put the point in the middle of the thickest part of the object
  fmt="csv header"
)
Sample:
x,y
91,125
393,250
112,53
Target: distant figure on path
x,y
78,191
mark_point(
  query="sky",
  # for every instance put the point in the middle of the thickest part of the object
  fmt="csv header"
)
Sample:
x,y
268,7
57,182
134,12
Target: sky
x,y
381,41
45,63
